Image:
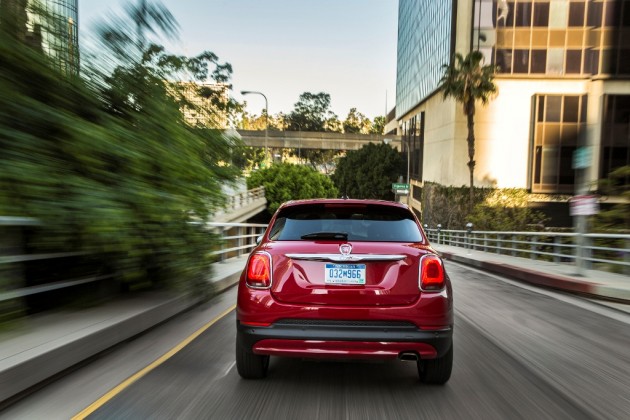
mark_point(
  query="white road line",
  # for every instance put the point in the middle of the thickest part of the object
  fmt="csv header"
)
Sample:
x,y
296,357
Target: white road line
x,y
584,303
227,371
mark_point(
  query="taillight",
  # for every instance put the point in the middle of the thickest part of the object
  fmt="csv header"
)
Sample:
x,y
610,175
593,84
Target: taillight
x,y
431,273
259,271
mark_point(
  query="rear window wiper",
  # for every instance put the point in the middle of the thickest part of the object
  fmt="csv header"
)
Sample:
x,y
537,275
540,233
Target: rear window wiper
x,y
325,235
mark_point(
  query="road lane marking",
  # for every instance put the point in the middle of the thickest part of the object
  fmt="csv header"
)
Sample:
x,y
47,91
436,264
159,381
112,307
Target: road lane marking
x,y
227,371
127,382
582,302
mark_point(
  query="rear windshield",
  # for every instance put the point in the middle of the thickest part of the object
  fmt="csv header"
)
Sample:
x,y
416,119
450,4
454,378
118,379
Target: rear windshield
x,y
354,223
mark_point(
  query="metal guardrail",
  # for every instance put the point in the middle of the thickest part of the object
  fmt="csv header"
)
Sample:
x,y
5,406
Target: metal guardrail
x,y
607,252
237,239
244,198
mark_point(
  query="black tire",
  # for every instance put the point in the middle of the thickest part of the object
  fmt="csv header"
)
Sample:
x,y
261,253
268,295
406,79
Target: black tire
x,y
436,371
248,364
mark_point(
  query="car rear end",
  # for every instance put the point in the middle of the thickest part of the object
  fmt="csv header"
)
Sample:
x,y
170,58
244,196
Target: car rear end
x,y
345,279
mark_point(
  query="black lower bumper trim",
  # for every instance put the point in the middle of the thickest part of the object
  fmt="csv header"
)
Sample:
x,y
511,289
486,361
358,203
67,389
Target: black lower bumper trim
x,y
441,340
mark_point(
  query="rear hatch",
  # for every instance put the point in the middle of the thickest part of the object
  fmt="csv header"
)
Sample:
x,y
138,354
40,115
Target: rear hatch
x,y
370,274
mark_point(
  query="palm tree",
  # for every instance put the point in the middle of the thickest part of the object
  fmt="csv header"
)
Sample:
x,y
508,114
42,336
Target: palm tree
x,y
467,80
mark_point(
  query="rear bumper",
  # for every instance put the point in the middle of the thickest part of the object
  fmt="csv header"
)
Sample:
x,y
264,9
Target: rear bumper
x,y
344,340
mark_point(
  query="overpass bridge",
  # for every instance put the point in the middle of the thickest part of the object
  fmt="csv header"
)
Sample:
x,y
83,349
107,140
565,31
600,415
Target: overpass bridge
x,y
241,206
315,139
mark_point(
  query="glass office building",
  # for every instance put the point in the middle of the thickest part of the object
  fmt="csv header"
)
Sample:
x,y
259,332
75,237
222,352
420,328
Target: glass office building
x,y
61,40
587,40
425,37
564,83
50,25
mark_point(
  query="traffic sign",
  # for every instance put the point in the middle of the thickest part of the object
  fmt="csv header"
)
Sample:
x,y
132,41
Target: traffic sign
x,y
399,186
583,205
582,158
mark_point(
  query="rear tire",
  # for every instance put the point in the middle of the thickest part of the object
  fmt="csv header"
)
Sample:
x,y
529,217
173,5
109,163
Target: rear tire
x,y
436,371
248,364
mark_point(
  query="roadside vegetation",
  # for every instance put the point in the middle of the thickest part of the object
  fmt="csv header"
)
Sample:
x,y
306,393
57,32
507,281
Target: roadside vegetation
x,y
104,160
285,181
467,80
368,172
494,209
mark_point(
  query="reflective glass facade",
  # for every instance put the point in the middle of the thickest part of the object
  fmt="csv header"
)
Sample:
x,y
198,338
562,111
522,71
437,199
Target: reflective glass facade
x,y
60,39
558,131
569,38
425,43
49,25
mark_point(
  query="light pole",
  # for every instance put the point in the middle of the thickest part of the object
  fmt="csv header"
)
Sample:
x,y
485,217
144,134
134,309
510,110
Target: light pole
x,y
299,142
408,166
388,141
250,92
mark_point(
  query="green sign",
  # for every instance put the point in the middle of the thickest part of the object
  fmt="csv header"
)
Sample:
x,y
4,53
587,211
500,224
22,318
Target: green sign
x,y
397,186
400,189
582,158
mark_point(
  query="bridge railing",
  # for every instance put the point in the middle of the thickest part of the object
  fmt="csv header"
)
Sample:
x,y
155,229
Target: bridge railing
x,y
244,198
237,239
607,252
21,293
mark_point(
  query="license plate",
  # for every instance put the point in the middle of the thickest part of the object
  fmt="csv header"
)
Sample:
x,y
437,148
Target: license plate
x,y
344,274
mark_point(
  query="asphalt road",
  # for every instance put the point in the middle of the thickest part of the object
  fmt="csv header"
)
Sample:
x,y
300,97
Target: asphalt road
x,y
520,353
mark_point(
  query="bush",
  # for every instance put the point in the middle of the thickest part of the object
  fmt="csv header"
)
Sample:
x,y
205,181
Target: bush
x,y
285,181
109,166
368,172
495,209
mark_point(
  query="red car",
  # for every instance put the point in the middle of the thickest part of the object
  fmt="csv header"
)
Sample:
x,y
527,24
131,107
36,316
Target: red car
x,y
344,278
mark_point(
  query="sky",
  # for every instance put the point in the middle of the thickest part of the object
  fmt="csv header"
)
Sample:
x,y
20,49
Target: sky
x,y
282,48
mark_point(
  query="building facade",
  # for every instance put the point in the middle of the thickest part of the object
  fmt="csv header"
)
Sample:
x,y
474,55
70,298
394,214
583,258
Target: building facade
x,y
563,80
206,104
50,25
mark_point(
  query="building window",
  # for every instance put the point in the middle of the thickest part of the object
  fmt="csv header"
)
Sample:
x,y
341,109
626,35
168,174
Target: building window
x,y
560,122
580,37
413,145
615,143
576,13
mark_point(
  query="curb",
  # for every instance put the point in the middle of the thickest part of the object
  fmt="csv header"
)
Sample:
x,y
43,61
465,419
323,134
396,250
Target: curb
x,y
553,281
26,370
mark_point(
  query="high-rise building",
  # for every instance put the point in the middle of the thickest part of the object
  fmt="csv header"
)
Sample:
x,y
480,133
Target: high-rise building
x,y
207,103
51,25
563,80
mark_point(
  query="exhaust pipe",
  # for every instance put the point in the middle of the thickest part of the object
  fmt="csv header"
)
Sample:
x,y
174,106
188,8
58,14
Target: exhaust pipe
x,y
409,356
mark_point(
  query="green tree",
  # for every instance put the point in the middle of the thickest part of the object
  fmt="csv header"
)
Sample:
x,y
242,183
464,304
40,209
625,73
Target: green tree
x,y
368,172
378,125
617,217
332,124
249,121
108,164
356,122
311,113
466,80
320,158
285,181
248,158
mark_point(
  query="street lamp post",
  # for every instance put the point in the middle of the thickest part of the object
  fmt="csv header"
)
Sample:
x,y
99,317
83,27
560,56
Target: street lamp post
x,y
253,92
408,167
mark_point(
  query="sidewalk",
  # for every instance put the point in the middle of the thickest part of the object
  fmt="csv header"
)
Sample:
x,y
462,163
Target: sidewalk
x,y
598,284
43,345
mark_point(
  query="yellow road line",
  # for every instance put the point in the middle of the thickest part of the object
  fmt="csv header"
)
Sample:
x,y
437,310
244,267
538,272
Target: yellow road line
x,y
118,389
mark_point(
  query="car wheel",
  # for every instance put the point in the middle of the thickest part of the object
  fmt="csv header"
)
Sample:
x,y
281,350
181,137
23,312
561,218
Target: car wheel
x,y
436,371
248,364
